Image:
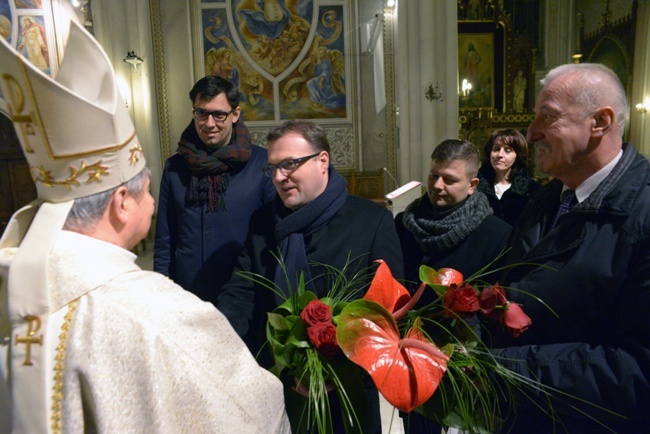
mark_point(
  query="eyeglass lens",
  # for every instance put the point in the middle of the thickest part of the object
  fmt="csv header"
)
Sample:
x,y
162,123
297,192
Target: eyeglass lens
x,y
286,166
218,115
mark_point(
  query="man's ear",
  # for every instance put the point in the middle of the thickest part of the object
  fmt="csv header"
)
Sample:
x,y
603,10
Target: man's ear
x,y
119,205
473,183
324,160
604,121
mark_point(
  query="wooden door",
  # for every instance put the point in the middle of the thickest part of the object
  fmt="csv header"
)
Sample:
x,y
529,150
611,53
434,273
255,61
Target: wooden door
x,y
16,185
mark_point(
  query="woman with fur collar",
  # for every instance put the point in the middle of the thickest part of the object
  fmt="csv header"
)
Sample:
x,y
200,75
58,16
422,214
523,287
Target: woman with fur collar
x,y
504,176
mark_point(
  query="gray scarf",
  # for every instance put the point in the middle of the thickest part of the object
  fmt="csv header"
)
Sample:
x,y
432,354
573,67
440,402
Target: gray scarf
x,y
439,232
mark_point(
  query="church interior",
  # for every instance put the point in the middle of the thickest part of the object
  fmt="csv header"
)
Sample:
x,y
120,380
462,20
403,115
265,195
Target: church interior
x,y
406,74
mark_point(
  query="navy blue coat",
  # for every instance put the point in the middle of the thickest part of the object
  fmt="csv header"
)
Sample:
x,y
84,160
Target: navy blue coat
x,y
597,281
197,249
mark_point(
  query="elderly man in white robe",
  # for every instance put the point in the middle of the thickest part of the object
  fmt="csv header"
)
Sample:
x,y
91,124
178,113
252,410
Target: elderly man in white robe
x,y
88,341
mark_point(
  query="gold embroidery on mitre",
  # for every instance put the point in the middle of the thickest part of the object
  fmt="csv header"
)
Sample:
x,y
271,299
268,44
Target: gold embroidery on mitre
x,y
94,172
16,107
57,390
136,153
32,122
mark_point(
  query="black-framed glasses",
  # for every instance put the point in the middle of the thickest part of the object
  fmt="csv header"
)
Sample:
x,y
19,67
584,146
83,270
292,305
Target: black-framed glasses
x,y
286,166
217,115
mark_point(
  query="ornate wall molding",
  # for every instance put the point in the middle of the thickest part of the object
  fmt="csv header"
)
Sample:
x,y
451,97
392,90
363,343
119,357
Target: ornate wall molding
x,y
389,77
341,138
160,78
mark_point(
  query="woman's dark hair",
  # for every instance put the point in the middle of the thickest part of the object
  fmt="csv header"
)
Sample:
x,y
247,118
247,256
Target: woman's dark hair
x,y
513,139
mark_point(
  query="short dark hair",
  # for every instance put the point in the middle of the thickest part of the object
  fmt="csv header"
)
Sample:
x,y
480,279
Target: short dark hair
x,y
313,133
513,139
455,149
211,86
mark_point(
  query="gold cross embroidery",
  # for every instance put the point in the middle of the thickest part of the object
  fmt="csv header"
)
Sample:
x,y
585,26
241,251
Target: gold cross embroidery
x,y
33,326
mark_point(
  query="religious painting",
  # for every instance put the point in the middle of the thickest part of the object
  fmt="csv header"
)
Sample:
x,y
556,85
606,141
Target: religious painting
x,y
287,57
28,27
480,66
29,4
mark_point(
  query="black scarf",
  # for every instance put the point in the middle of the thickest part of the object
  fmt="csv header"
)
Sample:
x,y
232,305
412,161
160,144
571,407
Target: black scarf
x,y
212,168
439,232
292,227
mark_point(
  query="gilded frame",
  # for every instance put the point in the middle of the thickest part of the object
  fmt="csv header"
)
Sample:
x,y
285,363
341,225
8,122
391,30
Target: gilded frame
x,y
480,61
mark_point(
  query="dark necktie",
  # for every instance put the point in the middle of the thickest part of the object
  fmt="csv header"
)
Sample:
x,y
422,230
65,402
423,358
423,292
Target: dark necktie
x,y
568,200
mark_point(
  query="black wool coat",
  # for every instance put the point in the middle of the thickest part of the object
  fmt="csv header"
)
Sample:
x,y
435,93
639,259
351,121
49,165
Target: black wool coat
x,y
513,200
361,231
590,333
480,248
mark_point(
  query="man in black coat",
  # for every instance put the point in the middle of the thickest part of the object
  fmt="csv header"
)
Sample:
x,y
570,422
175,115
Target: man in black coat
x,y
452,225
312,220
590,333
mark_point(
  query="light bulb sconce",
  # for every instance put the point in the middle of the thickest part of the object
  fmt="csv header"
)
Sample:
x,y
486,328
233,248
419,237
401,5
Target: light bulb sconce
x,y
133,59
643,107
390,3
433,93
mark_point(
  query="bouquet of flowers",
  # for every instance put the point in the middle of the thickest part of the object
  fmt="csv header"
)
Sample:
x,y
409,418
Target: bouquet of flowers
x,y
325,345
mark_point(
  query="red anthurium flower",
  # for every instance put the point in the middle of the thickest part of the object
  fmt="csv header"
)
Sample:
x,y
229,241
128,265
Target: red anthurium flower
x,y
406,371
387,291
490,298
515,319
461,300
441,279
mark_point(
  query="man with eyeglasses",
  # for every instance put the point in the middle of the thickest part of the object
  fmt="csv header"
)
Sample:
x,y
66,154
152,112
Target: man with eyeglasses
x,y
208,192
312,224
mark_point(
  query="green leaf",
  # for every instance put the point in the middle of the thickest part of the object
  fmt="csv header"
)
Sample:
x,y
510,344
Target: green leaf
x,y
277,321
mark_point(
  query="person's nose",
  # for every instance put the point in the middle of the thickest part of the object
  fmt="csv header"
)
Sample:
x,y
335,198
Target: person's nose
x,y
534,134
278,175
438,184
210,121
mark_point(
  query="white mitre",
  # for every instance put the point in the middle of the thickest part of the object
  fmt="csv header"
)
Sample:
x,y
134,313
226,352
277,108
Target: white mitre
x,y
79,140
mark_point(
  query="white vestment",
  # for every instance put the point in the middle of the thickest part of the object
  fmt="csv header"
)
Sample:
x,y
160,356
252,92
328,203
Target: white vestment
x,y
136,353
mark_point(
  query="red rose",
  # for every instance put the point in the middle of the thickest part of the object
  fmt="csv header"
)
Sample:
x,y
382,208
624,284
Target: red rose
x,y
515,319
323,336
490,298
316,312
461,299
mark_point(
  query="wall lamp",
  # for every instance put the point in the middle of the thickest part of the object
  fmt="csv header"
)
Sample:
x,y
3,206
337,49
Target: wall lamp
x,y
643,107
133,59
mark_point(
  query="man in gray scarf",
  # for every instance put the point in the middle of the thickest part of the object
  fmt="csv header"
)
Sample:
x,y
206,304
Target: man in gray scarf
x,y
452,224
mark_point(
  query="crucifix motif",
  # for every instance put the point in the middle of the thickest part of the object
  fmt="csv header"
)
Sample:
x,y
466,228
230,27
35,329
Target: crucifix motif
x,y
33,326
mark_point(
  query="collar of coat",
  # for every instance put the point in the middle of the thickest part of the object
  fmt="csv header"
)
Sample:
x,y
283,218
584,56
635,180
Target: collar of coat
x,y
615,195
519,183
